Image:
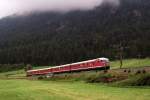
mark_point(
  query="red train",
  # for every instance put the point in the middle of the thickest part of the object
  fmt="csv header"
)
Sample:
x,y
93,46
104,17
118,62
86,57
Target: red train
x,y
95,64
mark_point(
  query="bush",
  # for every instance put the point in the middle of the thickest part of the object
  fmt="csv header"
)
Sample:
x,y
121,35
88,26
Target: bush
x,y
105,71
136,80
143,80
40,77
138,72
144,71
11,67
105,78
129,71
28,67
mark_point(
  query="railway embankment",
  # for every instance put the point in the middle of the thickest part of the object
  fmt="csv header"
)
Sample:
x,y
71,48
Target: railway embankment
x,y
139,76
130,74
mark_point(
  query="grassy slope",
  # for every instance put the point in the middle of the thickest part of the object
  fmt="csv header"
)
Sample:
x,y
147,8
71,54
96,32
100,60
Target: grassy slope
x,y
13,74
131,63
48,90
126,63
114,64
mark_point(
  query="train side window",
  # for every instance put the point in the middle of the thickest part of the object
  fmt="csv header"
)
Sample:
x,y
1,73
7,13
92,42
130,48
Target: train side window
x,y
98,61
90,64
81,65
93,63
84,64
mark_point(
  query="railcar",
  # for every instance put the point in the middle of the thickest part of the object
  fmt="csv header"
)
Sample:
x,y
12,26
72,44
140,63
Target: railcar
x,y
95,64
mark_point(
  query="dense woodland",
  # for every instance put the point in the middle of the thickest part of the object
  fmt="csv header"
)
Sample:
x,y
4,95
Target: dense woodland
x,y
52,38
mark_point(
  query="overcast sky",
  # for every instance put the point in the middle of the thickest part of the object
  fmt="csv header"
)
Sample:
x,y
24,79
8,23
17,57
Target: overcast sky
x,y
9,7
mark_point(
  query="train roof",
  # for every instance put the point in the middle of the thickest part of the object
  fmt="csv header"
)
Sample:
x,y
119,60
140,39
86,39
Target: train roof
x,y
90,60
39,69
70,64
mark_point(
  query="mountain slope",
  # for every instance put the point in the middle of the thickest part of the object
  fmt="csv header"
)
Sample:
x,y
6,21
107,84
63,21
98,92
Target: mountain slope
x,y
58,38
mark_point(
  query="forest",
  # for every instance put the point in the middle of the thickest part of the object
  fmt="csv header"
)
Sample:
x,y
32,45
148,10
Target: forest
x,y
52,38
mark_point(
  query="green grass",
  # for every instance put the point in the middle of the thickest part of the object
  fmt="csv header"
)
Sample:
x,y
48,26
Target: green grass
x,y
22,89
135,80
14,74
39,67
53,90
131,63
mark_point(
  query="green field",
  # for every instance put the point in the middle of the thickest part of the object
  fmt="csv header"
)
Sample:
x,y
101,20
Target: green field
x,y
23,89
13,74
131,63
50,90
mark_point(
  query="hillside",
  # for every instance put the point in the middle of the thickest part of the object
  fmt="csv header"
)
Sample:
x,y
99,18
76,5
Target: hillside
x,y
51,38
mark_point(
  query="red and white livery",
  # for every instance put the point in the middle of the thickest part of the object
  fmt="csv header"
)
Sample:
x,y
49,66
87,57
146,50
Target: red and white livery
x,y
95,64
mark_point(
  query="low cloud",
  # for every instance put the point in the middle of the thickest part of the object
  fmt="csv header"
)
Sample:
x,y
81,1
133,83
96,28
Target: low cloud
x,y
9,7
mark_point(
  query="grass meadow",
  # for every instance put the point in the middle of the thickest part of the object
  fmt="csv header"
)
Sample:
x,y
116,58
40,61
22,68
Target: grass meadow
x,y
128,63
56,90
14,86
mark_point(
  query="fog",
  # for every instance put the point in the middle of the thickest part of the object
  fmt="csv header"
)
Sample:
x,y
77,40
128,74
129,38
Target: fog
x,y
9,7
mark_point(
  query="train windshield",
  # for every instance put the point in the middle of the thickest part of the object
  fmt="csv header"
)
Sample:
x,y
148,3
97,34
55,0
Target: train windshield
x,y
104,59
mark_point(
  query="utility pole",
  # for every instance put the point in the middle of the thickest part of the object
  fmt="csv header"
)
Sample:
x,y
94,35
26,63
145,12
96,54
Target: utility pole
x,y
120,52
121,55
139,57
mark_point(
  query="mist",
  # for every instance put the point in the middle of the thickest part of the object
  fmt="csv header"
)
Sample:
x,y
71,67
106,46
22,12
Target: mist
x,y
9,7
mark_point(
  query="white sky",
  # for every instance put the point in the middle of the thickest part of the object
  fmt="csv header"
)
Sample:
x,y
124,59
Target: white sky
x,y
9,7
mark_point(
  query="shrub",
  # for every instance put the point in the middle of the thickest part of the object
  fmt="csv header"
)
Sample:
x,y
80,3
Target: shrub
x,y
143,80
10,67
105,78
138,72
129,71
105,71
136,80
28,67
144,71
40,77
